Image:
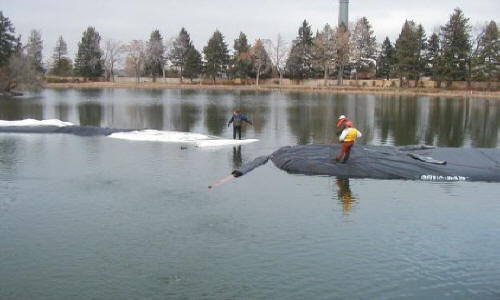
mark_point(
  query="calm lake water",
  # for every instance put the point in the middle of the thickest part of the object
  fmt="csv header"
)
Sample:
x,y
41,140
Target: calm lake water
x,y
101,218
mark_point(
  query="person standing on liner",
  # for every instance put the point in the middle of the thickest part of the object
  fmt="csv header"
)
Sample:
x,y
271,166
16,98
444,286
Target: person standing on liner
x,y
237,120
347,139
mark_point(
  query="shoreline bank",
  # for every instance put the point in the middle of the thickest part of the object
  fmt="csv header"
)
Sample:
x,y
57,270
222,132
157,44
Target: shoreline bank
x,y
433,92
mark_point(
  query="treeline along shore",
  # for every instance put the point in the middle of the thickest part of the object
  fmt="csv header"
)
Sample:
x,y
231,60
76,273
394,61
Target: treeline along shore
x,y
456,60
389,87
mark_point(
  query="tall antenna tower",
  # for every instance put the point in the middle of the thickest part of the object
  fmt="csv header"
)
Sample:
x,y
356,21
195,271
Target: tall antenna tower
x,y
344,12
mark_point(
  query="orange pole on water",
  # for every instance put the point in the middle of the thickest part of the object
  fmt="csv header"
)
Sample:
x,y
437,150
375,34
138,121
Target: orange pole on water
x,y
221,181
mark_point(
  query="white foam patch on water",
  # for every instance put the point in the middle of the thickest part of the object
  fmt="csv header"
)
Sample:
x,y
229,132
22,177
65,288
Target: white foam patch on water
x,y
199,140
33,122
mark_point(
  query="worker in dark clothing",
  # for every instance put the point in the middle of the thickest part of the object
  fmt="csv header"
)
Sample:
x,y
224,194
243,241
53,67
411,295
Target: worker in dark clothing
x,y
341,124
237,120
347,138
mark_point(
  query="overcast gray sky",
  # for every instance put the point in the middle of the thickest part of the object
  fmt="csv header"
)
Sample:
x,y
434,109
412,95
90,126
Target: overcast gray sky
x,y
127,20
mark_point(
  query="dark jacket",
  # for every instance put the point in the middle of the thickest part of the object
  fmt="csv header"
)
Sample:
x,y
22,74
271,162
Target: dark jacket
x,y
238,119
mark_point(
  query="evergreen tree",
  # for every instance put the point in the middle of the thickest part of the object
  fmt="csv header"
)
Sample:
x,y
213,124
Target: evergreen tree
x,y
241,60
364,45
182,45
407,52
192,63
8,41
34,50
487,62
88,62
433,59
216,56
421,54
299,63
155,55
455,45
61,65
386,60
61,49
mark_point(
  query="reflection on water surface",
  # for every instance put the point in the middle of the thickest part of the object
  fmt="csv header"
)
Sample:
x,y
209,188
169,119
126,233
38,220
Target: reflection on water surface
x,y
301,117
102,218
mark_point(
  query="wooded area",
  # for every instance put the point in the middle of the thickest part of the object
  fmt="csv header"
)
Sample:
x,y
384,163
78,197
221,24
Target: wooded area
x,y
455,53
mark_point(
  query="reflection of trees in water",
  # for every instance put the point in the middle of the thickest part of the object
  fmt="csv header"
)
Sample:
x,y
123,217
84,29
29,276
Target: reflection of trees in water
x,y
398,117
184,116
401,120
299,121
312,117
364,115
188,94
447,122
154,116
61,94
155,93
216,94
344,194
216,118
62,111
452,120
256,110
146,116
217,114
8,157
90,94
19,109
484,123
90,114
8,152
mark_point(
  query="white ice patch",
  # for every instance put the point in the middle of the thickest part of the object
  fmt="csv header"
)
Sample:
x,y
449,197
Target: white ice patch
x,y
223,142
150,135
33,122
199,140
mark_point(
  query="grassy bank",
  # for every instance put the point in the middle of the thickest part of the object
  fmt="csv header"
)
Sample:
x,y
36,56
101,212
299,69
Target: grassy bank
x,y
329,89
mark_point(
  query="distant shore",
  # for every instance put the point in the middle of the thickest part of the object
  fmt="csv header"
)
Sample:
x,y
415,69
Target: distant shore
x,y
434,92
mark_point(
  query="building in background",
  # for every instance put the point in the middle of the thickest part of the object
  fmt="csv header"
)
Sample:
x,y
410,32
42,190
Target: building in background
x,y
344,12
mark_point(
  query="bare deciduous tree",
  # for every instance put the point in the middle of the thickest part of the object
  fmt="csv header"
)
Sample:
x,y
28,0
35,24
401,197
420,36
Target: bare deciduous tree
x,y
325,50
260,59
169,46
136,55
112,55
278,53
20,72
343,45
